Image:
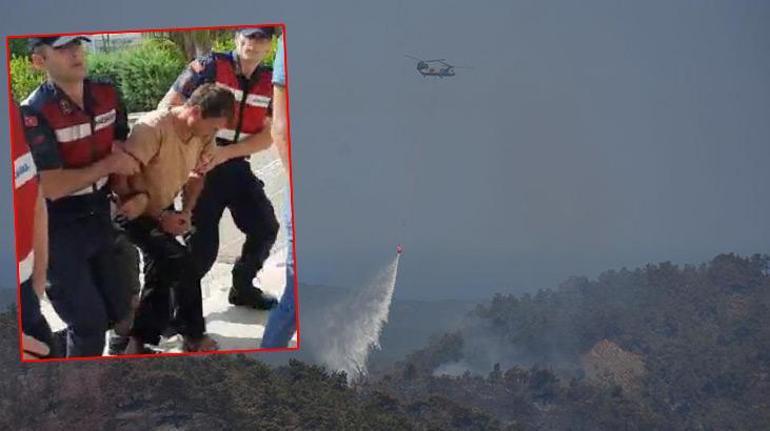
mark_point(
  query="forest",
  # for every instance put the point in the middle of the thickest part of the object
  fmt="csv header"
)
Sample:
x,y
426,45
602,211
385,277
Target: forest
x,y
656,347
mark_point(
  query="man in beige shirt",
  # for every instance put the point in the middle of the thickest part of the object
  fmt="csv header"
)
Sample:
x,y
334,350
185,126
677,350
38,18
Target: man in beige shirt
x,y
174,147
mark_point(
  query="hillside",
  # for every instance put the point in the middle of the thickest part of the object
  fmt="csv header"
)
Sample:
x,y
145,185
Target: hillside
x,y
674,347
658,347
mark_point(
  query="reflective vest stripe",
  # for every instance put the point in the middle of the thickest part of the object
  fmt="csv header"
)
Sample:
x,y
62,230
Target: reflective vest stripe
x,y
105,120
73,133
258,101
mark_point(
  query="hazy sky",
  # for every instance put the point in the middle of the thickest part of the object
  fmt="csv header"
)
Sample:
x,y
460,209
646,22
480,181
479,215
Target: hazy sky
x,y
587,136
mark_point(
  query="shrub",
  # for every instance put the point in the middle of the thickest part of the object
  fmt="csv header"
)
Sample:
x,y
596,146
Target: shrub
x,y
24,78
105,65
224,43
18,46
147,72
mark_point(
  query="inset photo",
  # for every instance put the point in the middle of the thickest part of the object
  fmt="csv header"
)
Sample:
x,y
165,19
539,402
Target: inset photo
x,y
153,192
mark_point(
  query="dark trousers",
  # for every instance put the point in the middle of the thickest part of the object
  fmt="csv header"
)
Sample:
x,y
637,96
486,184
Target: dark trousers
x,y
33,322
168,269
128,258
127,273
234,186
83,287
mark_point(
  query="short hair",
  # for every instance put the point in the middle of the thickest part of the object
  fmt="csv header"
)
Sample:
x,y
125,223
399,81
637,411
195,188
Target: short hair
x,y
214,100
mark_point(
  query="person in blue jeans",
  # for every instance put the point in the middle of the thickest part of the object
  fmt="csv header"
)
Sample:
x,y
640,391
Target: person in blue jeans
x,y
282,322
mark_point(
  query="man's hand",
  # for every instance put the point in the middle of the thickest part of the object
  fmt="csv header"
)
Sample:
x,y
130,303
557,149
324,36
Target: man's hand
x,y
209,161
32,348
120,162
175,223
204,164
134,206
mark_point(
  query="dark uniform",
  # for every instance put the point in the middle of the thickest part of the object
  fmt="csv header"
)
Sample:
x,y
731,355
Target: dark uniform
x,y
232,184
84,289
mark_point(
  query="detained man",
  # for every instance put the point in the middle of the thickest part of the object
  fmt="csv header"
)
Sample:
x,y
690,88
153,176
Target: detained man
x,y
174,148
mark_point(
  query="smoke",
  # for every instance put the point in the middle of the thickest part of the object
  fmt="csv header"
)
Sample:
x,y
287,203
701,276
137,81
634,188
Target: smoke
x,y
485,346
482,348
351,328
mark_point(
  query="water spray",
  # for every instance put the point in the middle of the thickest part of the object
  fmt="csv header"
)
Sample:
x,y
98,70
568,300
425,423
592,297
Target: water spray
x,y
352,328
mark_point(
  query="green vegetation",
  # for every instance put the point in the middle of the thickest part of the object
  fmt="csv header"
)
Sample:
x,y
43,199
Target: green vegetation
x,y
659,347
201,393
670,347
143,73
24,78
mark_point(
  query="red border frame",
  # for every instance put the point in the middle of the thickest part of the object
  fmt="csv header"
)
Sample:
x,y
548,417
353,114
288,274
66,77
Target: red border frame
x,y
8,38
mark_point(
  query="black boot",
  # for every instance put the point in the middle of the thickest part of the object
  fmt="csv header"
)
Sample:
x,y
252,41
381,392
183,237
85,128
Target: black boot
x,y
243,291
251,297
117,344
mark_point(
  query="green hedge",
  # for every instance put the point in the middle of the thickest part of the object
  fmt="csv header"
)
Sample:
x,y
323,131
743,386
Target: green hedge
x,y
24,77
18,46
143,73
223,43
147,72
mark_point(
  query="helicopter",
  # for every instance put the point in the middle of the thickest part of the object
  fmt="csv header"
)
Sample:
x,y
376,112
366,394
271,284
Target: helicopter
x,y
436,67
